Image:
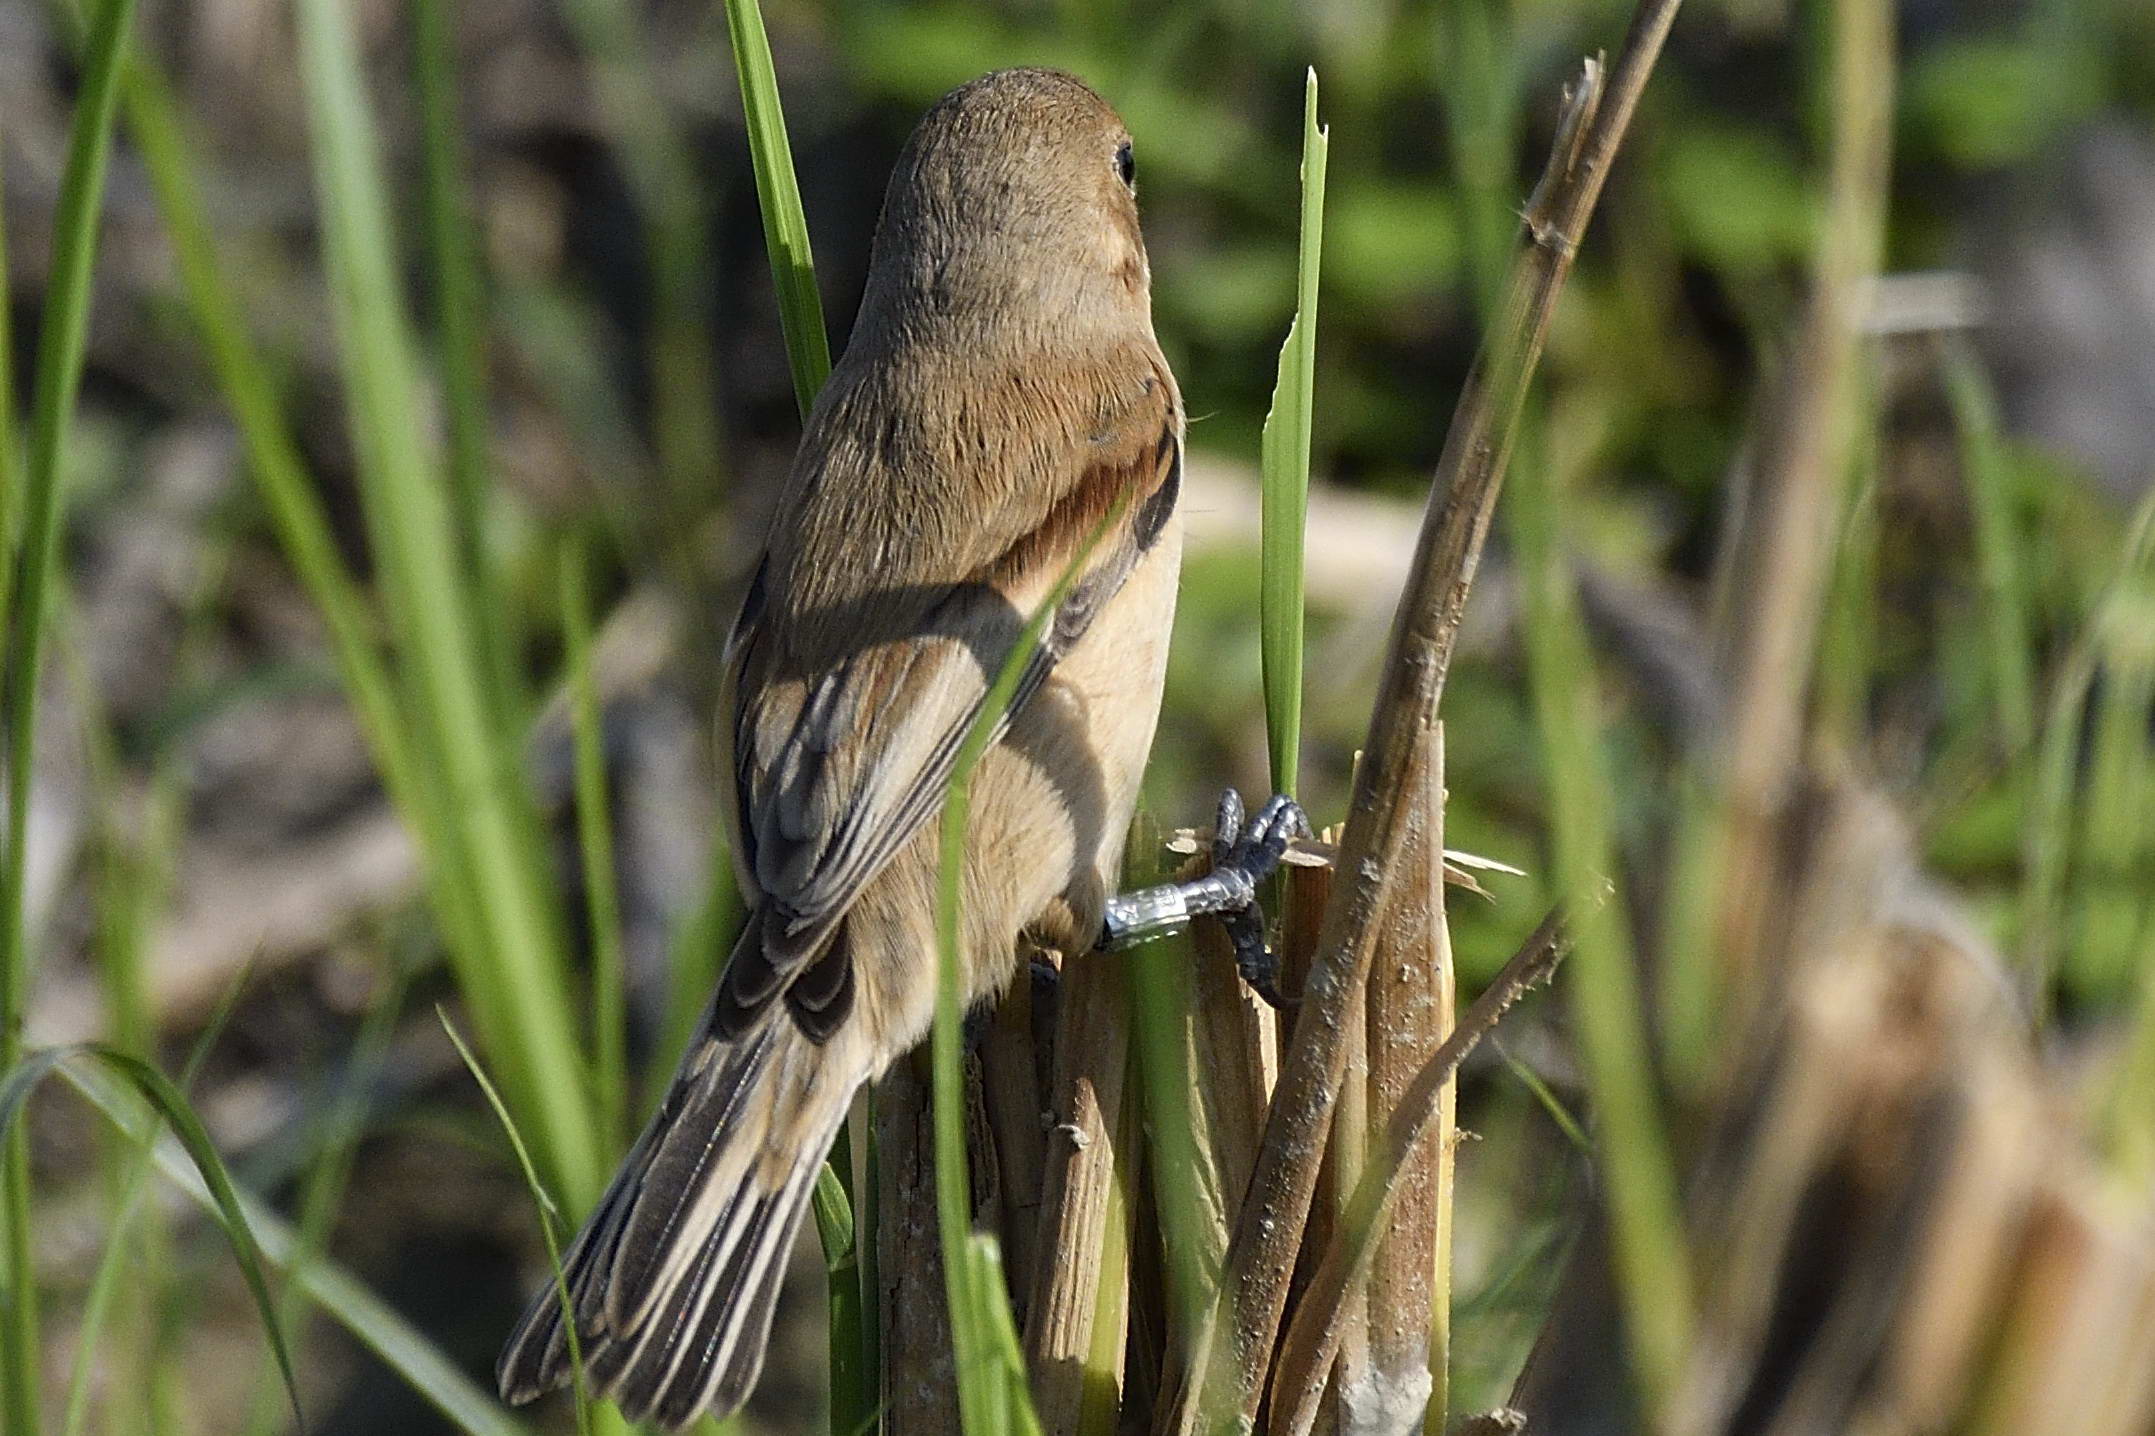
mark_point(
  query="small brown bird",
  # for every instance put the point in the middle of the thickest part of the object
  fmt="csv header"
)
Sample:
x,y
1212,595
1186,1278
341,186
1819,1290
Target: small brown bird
x,y
1002,397
1002,394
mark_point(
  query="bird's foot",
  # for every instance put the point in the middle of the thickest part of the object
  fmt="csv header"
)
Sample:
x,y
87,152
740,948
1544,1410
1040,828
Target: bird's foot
x,y
1244,854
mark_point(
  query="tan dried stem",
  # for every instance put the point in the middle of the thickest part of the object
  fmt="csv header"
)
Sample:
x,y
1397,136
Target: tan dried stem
x,y
1314,1337
1085,1144
1777,561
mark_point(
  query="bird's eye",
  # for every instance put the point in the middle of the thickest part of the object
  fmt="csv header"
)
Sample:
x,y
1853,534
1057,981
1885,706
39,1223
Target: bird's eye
x,y
1126,164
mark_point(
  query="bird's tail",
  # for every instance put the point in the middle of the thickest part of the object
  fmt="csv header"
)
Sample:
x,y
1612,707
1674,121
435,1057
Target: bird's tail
x,y
674,1278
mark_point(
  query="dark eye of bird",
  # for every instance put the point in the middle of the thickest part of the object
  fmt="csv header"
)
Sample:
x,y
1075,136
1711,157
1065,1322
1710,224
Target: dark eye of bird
x,y
1126,164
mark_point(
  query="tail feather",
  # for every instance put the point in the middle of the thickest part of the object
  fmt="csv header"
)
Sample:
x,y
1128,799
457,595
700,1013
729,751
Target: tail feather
x,y
675,1276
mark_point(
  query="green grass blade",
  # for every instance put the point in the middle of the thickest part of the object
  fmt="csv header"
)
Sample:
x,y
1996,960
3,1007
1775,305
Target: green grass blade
x,y
105,1283
853,1381
2047,852
1990,497
1284,472
1550,1103
854,1378
778,192
171,1105
1848,628
595,837
548,1214
273,457
664,176
517,976
329,1173
415,1360
10,478
459,306
59,373
1633,1149
992,1394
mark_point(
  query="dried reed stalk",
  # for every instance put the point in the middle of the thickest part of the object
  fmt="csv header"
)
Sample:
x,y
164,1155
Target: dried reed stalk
x,y
1234,1064
1013,1093
1904,1229
920,1389
1313,1340
1897,1207
1776,563
1232,1357
1089,1162
1394,1343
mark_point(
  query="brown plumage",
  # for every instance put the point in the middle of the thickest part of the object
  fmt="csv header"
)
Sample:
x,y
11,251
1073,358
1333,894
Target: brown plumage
x,y
1002,396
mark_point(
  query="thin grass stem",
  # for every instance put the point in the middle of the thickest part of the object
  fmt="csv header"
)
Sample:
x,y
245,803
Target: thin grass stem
x,y
460,321
422,1366
1991,500
595,836
992,1392
59,372
548,1214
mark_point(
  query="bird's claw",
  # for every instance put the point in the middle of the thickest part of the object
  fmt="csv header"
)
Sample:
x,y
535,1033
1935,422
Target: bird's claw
x,y
1243,856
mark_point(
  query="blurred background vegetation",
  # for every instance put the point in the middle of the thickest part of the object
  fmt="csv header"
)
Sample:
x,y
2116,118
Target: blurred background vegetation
x,y
205,808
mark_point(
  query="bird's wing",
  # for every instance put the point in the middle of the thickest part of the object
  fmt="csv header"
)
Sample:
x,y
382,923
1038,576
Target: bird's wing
x,y
841,756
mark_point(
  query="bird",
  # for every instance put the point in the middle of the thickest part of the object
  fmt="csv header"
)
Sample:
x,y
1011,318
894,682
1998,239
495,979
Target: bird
x,y
1001,433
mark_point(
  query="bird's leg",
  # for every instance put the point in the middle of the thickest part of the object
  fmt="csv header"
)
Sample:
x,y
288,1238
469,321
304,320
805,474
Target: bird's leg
x,y
1242,857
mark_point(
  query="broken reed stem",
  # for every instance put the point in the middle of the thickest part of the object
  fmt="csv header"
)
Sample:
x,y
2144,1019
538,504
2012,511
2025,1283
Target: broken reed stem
x,y
1014,1094
1389,1373
1080,1200
1314,1336
1226,1380
1772,588
919,1375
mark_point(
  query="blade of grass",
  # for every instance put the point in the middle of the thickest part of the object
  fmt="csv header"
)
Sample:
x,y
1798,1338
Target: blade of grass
x,y
515,973
778,194
1484,108
279,474
1633,1152
1990,499
549,1213
274,461
853,1395
172,1106
2048,850
1848,635
854,1360
595,836
59,373
992,1392
662,174
2111,909
10,459
1192,1213
1547,1100
459,312
1284,472
414,1359
134,874
104,1284
328,1175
